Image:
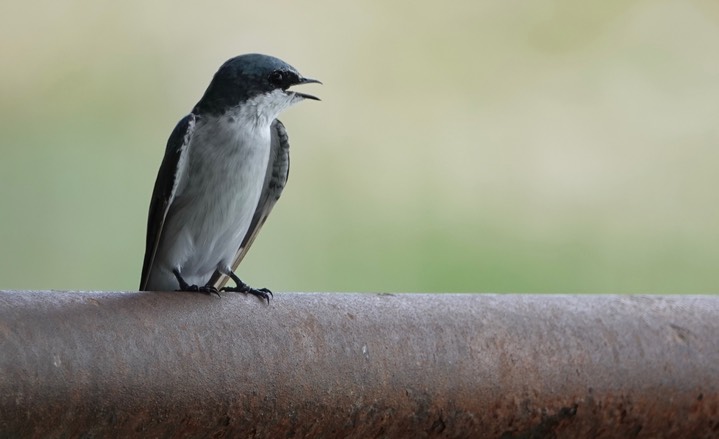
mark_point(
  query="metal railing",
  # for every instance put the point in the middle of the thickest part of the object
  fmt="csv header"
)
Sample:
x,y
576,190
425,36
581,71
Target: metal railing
x,y
358,365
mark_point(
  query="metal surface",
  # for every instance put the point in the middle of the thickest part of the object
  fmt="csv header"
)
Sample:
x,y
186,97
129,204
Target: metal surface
x,y
181,365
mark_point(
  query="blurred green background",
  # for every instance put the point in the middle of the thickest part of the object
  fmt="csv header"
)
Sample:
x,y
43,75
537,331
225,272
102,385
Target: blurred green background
x,y
487,146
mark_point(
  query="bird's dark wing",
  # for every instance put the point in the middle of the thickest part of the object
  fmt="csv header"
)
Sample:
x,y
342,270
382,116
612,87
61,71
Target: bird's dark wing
x,y
165,188
278,169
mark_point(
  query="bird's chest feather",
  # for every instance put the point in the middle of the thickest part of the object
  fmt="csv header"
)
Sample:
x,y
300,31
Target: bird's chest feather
x,y
223,177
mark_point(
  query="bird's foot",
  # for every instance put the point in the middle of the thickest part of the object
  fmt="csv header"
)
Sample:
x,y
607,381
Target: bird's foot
x,y
205,289
184,286
262,293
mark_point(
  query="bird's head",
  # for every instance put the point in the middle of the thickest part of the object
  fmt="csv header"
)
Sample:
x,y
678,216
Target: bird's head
x,y
260,82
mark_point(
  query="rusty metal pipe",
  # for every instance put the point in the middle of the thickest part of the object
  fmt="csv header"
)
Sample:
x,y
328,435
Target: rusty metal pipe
x,y
358,365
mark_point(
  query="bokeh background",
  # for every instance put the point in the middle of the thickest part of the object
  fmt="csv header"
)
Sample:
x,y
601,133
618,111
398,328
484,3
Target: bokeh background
x,y
486,146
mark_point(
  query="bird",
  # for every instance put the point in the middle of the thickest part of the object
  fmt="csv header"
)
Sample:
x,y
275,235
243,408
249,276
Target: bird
x,y
225,166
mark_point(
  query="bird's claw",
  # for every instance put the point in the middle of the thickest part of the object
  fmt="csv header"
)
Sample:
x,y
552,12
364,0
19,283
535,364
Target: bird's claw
x,y
262,293
205,289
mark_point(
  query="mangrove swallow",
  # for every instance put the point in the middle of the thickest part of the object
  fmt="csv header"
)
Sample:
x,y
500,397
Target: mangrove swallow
x,y
224,168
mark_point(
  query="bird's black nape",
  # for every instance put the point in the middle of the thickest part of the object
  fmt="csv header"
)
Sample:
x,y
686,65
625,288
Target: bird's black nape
x,y
243,77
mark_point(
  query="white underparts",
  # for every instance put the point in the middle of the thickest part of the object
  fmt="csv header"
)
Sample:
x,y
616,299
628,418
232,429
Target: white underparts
x,y
218,187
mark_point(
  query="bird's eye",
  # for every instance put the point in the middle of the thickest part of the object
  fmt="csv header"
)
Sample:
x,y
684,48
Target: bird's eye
x,y
276,78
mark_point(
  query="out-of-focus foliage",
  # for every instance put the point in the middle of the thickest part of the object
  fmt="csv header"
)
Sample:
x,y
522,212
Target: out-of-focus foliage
x,y
546,146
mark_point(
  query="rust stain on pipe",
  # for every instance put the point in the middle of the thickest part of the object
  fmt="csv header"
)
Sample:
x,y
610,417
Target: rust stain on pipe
x,y
182,365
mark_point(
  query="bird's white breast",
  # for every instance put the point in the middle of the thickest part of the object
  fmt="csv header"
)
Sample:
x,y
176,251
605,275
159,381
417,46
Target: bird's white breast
x,y
218,185
217,194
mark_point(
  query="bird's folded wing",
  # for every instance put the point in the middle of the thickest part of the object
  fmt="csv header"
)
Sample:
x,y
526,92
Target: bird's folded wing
x,y
166,184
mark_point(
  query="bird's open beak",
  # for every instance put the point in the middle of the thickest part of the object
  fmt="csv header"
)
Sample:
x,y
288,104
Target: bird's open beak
x,y
304,95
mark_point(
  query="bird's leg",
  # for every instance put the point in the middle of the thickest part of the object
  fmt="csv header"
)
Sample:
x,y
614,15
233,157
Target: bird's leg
x,y
262,293
184,286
